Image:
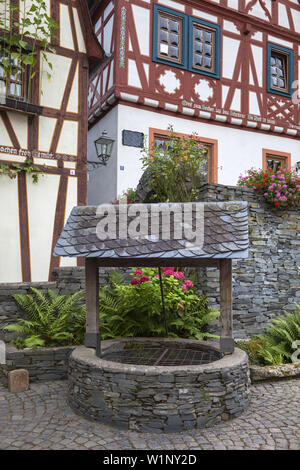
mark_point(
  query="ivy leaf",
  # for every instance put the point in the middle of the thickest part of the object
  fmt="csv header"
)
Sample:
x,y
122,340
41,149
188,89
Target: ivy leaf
x,y
23,44
29,60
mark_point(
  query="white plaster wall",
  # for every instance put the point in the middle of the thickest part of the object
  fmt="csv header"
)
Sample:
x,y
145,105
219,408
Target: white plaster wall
x,y
53,88
65,32
102,182
239,149
41,199
10,255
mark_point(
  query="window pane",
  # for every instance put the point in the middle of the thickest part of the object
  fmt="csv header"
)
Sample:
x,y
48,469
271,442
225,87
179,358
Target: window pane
x,y
198,34
18,90
207,37
12,89
198,59
174,52
174,26
273,71
164,49
174,39
198,46
207,62
164,23
164,36
207,49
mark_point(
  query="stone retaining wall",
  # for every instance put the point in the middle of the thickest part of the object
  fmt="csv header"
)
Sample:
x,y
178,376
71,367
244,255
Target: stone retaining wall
x,y
158,399
268,282
42,364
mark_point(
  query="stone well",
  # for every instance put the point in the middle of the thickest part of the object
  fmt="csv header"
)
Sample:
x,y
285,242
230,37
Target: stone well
x,y
158,398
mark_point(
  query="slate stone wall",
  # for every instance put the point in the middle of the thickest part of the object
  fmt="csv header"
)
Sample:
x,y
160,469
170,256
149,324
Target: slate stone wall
x,y
158,399
43,364
268,282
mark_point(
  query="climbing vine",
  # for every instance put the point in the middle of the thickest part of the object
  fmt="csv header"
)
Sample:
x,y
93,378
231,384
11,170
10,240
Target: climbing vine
x,y
25,30
12,169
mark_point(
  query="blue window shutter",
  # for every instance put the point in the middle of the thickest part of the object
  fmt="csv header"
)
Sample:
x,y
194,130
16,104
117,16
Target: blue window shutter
x,y
217,28
290,54
155,58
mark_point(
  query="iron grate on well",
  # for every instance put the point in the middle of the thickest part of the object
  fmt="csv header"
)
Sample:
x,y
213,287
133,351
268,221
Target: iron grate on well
x,y
162,356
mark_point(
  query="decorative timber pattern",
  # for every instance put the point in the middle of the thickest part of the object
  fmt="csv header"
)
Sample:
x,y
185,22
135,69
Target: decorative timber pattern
x,y
225,227
54,135
239,99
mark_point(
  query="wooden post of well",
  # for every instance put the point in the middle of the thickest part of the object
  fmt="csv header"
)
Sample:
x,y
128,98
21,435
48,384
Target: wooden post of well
x,y
92,335
226,340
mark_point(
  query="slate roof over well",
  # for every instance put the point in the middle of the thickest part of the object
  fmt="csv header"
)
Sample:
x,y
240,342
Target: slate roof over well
x,y
225,235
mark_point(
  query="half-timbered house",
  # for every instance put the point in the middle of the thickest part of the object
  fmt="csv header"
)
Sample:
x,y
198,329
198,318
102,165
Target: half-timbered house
x,y
227,70
48,127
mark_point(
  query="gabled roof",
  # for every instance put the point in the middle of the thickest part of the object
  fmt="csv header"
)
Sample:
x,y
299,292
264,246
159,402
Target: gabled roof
x,y
225,234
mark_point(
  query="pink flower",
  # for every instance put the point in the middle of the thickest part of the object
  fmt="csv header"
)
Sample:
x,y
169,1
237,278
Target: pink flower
x,y
138,272
144,279
181,306
167,269
135,281
179,276
169,272
188,283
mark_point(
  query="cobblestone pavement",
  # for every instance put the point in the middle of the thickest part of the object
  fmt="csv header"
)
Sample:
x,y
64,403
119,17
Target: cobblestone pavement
x,y
41,419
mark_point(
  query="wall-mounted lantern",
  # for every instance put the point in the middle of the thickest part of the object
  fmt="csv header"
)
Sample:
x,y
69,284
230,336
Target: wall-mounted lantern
x,y
104,146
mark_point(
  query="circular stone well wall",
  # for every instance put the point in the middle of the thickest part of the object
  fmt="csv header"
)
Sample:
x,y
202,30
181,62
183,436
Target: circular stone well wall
x,y
158,398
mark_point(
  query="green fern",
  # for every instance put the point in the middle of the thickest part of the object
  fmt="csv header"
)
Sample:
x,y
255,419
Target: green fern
x,y
275,346
51,319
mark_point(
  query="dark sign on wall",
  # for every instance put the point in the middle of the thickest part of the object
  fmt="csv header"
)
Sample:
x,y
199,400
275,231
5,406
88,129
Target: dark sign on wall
x,y
133,139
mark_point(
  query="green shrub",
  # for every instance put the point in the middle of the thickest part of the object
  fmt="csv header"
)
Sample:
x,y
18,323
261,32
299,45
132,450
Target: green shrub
x,y
50,319
135,309
251,347
184,159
